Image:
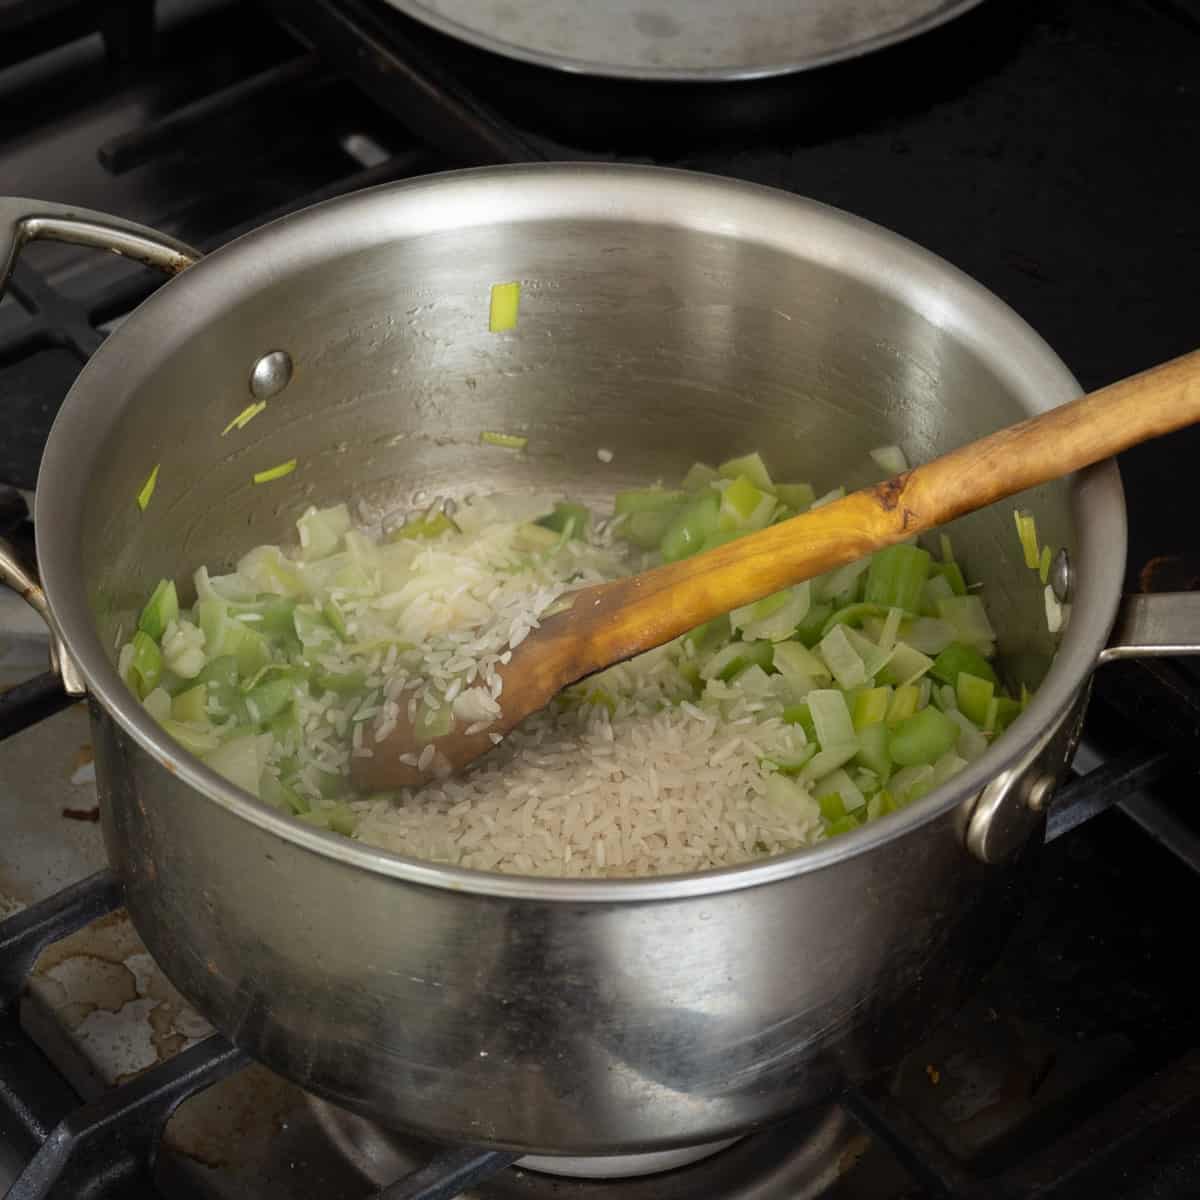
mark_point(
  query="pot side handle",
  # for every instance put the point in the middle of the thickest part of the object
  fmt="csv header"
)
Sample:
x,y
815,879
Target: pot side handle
x,y
1154,626
23,221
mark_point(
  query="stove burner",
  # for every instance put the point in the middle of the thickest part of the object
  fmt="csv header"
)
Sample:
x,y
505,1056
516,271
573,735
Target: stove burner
x,y
797,1159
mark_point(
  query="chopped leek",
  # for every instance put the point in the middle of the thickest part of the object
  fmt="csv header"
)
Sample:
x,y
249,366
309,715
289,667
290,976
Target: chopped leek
x,y
244,417
161,609
275,472
506,441
147,490
1027,534
752,467
1044,564
504,305
897,576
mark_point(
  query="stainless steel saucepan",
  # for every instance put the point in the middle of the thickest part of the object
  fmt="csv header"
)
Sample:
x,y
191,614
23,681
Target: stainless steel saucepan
x,y
667,317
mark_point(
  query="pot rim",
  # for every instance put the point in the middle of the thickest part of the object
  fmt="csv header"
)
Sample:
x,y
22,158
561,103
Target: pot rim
x,y
777,220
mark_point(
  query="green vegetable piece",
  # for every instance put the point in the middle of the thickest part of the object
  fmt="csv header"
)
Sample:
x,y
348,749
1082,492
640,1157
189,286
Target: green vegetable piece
x,y
904,703
873,751
1044,564
951,572
711,634
646,529
752,467
797,496
648,500
344,683
276,472
846,824
191,705
573,520
687,531
161,609
506,441
832,808
503,306
870,707
896,576
922,738
145,667
974,695
739,502
801,714
432,723
270,698
812,628
730,661
337,622
1007,711
430,525
146,493
852,614
221,671
342,820
700,476
957,658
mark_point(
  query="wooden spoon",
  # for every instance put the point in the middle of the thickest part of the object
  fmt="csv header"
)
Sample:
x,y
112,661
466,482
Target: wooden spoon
x,y
610,622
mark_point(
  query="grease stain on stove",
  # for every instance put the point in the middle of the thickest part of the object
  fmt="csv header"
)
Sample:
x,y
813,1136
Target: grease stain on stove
x,y
114,1007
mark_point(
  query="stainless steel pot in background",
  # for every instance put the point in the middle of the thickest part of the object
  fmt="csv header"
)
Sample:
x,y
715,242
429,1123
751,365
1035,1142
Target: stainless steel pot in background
x,y
664,316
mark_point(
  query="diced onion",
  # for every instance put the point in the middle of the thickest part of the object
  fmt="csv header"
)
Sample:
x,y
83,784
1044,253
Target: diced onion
x,y
890,459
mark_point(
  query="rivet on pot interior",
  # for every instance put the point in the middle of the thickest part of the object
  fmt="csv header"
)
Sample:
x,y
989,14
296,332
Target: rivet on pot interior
x,y
1060,577
271,374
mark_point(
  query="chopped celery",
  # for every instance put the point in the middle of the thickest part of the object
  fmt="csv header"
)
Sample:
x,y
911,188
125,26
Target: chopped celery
x,y
879,805
571,520
957,658
744,507
653,499
797,496
905,666
146,666
699,477
875,659
224,635
279,795
1044,564
161,609
921,738
896,577
974,696
752,467
269,698
687,531
843,586
343,683
503,306
831,717
870,707
971,742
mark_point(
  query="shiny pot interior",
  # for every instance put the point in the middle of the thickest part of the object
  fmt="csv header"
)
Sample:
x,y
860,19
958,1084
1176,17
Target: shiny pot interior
x,y
667,317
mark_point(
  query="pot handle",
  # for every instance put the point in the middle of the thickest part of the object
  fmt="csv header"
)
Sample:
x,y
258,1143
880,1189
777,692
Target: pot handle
x,y
23,221
1154,625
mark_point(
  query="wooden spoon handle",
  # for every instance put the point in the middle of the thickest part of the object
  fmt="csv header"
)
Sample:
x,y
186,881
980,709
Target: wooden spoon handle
x,y
634,614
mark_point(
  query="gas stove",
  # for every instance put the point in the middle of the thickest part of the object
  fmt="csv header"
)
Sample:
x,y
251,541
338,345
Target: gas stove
x,y
1032,145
